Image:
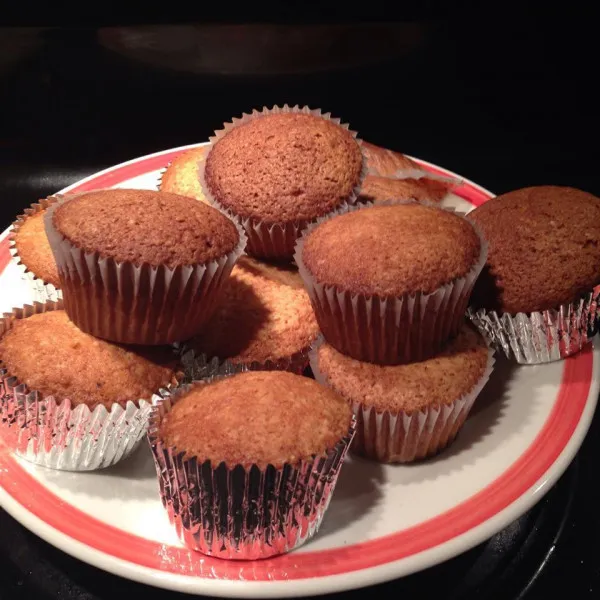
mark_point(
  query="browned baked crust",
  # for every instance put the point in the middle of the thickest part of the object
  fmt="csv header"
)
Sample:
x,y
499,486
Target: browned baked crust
x,y
258,417
282,168
544,248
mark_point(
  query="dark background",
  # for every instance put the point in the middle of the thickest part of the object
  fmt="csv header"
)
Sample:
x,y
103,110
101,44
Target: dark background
x,y
507,104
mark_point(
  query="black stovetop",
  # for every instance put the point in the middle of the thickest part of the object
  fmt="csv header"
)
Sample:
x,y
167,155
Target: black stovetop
x,y
506,107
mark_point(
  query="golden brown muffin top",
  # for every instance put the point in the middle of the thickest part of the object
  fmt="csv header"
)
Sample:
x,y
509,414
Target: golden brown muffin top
x,y
379,189
257,417
384,162
181,176
286,167
410,387
260,316
34,249
391,250
142,226
544,248
50,355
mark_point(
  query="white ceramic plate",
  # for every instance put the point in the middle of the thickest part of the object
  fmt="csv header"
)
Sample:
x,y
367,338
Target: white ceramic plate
x,y
384,521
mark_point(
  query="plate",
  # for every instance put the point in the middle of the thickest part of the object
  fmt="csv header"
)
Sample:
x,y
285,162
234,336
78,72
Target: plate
x,y
383,522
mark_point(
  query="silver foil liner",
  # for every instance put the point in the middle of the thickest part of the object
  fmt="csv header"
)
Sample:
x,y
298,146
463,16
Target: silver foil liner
x,y
194,362
137,304
53,433
237,512
41,290
273,240
541,337
389,329
402,437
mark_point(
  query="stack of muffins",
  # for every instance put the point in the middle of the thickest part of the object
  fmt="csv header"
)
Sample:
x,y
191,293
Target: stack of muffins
x,y
149,316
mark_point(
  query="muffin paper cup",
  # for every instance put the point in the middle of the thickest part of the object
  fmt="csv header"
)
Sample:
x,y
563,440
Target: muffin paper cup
x,y
237,512
137,304
273,240
405,437
389,329
194,362
54,433
541,337
41,291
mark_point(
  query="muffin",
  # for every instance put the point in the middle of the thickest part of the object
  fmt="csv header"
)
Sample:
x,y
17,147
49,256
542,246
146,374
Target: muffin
x,y
264,320
537,295
386,163
247,464
408,412
73,401
390,283
379,189
280,169
181,175
141,267
31,252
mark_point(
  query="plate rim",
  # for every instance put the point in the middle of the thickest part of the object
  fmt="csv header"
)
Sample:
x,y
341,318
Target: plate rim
x,y
320,584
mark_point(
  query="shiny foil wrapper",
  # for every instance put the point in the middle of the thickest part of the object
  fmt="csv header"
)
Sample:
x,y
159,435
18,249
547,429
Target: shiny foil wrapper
x,y
41,291
389,330
54,433
403,437
237,512
194,363
273,240
137,304
541,337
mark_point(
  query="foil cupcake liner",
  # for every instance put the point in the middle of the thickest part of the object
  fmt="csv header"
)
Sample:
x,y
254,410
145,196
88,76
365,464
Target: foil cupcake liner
x,y
541,337
41,291
54,433
237,512
394,329
137,304
402,437
194,363
273,240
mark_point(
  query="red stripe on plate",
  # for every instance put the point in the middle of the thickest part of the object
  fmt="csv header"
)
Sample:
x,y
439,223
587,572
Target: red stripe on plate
x,y
510,486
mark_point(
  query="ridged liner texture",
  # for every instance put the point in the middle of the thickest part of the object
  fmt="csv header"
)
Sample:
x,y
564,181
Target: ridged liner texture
x,y
541,336
137,304
273,240
235,512
401,437
389,329
52,432
41,290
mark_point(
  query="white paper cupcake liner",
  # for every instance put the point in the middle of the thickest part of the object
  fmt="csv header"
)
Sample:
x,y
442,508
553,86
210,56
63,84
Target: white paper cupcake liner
x,y
137,304
273,240
54,433
403,437
41,291
237,512
541,337
393,329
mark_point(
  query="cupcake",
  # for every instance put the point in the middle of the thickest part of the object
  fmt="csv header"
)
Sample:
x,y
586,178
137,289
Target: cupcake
x,y
247,464
280,169
380,189
72,401
390,283
264,320
386,163
408,412
31,252
538,293
181,176
141,267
